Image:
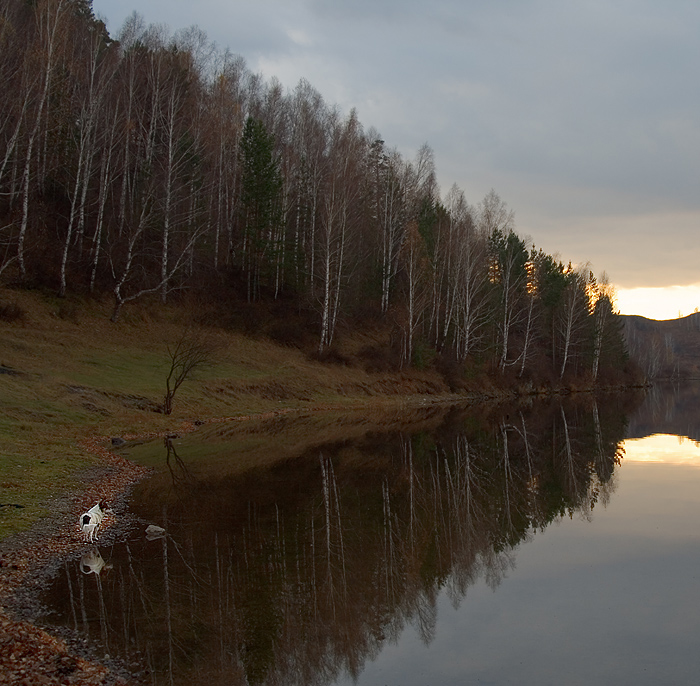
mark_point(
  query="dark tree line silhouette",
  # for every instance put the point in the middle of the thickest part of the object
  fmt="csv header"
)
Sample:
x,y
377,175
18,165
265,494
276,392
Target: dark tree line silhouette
x,y
156,163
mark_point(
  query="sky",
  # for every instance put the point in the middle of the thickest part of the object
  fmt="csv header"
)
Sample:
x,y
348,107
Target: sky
x,y
584,116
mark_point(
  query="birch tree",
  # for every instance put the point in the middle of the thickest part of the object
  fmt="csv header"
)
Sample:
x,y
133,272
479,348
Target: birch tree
x,y
508,262
90,94
50,18
340,218
413,264
603,314
179,157
224,130
309,136
573,317
388,209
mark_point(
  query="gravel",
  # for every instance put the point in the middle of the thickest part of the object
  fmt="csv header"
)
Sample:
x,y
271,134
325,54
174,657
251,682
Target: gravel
x,y
32,655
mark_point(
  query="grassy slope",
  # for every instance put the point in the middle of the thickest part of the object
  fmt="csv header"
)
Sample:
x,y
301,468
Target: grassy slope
x,y
76,374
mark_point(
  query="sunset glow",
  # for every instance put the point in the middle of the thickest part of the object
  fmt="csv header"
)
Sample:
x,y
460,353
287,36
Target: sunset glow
x,y
662,448
668,302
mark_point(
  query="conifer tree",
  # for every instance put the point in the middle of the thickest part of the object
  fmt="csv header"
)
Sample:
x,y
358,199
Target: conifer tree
x,y
261,199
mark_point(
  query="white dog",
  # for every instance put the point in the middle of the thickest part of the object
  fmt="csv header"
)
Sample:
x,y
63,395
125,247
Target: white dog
x,y
90,521
93,563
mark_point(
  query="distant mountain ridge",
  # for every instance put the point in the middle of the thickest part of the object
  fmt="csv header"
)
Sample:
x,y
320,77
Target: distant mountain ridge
x,y
665,349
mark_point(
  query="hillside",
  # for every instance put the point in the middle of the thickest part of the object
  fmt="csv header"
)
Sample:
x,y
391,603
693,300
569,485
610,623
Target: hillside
x,y
665,349
68,373
268,205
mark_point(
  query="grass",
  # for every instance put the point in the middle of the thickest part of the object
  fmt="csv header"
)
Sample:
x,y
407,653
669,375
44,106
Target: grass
x,y
74,374
31,477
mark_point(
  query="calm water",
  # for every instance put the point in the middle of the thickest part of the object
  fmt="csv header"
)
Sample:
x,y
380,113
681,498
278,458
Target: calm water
x,y
557,544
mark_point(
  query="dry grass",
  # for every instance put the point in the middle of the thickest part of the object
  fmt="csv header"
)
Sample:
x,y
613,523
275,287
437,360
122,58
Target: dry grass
x,y
67,372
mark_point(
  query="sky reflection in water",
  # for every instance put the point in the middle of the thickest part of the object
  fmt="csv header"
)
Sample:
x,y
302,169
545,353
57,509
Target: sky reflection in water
x,y
613,600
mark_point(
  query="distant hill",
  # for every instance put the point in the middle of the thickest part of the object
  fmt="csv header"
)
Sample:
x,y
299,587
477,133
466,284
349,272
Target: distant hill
x,y
665,349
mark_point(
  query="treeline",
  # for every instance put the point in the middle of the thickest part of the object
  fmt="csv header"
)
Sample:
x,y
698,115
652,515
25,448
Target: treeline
x,y
668,349
156,163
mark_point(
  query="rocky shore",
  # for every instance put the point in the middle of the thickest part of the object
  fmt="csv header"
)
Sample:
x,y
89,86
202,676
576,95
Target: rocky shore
x,y
29,654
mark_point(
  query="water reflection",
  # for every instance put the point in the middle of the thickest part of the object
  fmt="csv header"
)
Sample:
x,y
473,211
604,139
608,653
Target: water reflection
x,y
301,572
669,408
92,562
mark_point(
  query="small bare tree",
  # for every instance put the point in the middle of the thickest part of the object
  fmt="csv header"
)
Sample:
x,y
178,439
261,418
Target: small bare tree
x,y
192,351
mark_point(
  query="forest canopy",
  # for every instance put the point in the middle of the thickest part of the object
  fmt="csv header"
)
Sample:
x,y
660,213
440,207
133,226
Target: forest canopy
x,y
151,163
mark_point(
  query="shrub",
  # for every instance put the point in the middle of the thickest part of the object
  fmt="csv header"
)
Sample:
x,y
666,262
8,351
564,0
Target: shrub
x,y
331,356
451,369
379,358
11,312
423,355
68,311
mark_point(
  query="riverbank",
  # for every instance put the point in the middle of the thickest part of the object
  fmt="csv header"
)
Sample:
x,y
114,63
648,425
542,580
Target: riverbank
x,y
29,654
68,373
28,559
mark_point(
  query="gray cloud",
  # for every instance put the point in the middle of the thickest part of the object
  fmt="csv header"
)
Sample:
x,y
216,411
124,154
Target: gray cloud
x,y
579,114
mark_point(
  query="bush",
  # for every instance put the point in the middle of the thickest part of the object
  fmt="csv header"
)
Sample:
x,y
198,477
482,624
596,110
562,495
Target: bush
x,y
331,356
423,355
68,311
11,312
379,358
451,369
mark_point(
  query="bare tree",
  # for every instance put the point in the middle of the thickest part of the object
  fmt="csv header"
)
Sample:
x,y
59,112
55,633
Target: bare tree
x,y
192,352
49,20
95,82
508,263
388,210
340,219
574,313
604,294
412,261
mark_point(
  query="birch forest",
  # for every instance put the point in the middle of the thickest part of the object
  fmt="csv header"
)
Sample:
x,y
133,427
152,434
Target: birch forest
x,y
151,165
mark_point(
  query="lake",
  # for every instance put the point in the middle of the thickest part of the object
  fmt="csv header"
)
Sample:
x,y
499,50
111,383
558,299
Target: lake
x,y
549,543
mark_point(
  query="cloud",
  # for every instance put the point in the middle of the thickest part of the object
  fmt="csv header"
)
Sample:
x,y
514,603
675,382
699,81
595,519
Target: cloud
x,y
651,249
583,116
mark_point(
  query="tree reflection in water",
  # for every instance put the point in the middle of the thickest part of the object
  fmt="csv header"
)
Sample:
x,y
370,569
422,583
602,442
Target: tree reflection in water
x,y
304,570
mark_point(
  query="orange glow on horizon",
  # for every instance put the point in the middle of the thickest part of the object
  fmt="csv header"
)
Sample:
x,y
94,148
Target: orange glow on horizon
x,y
667,302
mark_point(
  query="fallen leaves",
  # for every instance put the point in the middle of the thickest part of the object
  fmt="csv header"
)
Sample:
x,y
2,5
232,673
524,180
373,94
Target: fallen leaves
x,y
29,655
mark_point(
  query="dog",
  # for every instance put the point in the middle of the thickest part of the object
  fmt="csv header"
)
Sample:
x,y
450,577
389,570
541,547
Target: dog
x,y
93,563
90,521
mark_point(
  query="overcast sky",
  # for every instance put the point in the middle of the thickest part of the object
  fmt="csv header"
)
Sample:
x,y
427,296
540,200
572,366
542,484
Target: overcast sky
x,y
583,115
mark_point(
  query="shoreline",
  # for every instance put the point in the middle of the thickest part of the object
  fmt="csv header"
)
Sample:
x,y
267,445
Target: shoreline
x,y
32,655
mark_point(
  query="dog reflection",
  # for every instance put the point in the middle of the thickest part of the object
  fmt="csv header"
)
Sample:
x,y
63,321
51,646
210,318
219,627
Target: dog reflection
x,y
93,563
